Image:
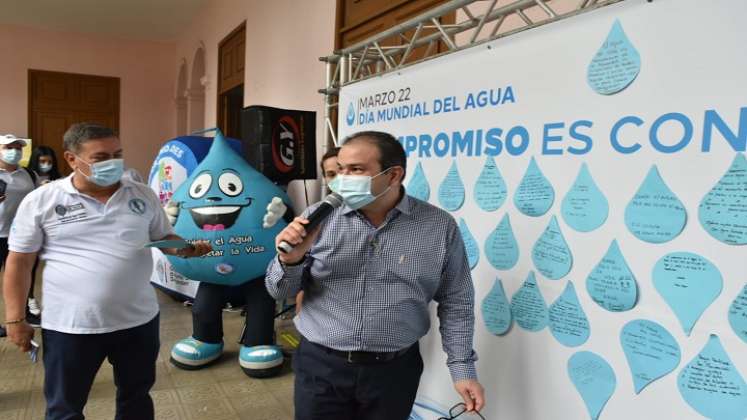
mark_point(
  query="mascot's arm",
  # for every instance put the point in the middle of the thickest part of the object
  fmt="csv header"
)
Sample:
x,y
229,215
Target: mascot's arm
x,y
275,211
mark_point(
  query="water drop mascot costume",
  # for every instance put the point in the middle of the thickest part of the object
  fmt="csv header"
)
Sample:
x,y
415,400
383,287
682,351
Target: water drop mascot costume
x,y
240,211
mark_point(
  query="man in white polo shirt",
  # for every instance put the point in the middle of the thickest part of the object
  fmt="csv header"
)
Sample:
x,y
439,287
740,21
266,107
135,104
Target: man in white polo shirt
x,y
90,228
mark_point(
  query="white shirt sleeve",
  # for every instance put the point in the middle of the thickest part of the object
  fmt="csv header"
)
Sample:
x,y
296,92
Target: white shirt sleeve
x,y
26,233
159,225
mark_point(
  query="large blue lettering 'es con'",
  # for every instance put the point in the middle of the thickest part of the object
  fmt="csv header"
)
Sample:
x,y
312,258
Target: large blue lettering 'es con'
x,y
224,201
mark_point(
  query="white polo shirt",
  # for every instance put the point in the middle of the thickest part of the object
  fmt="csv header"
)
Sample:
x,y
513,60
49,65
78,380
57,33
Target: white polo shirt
x,y
97,273
19,183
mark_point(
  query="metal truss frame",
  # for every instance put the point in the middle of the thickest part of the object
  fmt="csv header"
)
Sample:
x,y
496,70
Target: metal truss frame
x,y
370,58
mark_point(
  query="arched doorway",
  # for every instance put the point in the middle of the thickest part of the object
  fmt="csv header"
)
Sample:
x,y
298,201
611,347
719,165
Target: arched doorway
x,y
181,100
196,92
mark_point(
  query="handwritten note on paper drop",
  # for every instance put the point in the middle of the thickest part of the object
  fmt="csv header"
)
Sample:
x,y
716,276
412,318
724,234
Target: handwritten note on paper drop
x,y
568,322
451,190
651,351
584,207
528,307
490,188
711,384
501,247
738,314
496,311
611,284
535,194
723,211
688,283
655,214
615,65
418,186
470,244
551,254
594,379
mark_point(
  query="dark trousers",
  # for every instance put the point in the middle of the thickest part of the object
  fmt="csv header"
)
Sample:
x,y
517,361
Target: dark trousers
x,y
327,387
33,278
207,313
72,360
3,251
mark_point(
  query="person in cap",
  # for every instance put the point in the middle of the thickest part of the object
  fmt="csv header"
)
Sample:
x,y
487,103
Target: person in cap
x,y
15,183
91,229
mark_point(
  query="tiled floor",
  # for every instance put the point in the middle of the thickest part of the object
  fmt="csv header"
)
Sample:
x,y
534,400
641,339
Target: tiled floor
x,y
221,391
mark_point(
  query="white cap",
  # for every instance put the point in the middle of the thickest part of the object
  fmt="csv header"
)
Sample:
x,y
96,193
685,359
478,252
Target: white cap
x,y
9,138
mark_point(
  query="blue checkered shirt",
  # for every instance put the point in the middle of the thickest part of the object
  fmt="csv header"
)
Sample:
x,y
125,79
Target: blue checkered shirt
x,y
368,288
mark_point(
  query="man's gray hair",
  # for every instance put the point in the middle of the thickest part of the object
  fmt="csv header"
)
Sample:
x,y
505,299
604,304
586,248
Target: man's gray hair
x,y
80,133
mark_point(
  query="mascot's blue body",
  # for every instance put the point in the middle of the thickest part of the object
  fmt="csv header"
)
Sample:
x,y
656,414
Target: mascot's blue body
x,y
225,201
240,211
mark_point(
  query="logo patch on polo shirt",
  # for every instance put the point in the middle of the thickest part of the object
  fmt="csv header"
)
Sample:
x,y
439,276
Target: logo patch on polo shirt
x,y
71,213
137,206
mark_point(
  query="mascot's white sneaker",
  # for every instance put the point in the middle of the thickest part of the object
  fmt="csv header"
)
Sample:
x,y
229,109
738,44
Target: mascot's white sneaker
x,y
261,361
192,354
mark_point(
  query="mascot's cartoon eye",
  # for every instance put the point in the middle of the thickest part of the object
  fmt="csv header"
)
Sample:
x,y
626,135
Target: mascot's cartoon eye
x,y
200,185
230,184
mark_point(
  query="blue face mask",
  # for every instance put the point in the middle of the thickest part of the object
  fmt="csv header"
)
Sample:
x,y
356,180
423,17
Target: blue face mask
x,y
11,156
355,190
106,173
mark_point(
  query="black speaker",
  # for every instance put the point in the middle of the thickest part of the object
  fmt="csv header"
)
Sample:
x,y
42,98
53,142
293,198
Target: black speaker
x,y
280,143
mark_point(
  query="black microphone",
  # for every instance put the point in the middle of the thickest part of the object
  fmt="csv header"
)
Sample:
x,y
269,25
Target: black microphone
x,y
330,202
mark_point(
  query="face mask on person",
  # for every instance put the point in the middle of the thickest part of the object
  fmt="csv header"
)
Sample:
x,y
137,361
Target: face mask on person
x,y
45,167
11,156
106,173
355,190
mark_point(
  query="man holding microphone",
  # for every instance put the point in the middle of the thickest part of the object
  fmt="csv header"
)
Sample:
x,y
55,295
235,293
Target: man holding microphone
x,y
372,267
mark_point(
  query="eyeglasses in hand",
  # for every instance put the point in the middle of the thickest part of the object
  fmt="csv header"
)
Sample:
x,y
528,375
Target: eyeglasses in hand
x,y
457,410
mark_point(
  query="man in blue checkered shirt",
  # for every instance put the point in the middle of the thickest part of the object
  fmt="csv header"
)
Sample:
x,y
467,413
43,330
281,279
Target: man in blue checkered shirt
x,y
369,272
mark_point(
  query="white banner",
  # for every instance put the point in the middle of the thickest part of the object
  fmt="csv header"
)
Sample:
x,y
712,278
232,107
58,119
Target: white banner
x,y
650,100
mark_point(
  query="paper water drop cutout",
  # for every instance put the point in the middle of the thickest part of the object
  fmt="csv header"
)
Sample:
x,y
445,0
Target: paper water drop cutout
x,y
568,322
470,244
451,190
688,283
738,314
593,378
528,306
655,214
723,211
490,188
550,254
418,186
584,207
496,311
501,247
535,194
611,284
615,65
350,117
651,351
712,385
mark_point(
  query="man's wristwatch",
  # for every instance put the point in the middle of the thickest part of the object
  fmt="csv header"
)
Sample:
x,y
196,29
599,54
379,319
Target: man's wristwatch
x,y
297,263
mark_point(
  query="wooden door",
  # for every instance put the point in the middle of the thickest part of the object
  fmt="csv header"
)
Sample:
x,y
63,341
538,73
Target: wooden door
x,y
358,20
58,100
231,57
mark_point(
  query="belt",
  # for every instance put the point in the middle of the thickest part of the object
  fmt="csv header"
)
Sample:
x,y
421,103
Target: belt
x,y
363,357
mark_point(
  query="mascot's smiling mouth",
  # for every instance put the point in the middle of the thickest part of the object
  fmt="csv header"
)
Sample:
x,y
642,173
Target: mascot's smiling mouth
x,y
212,218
